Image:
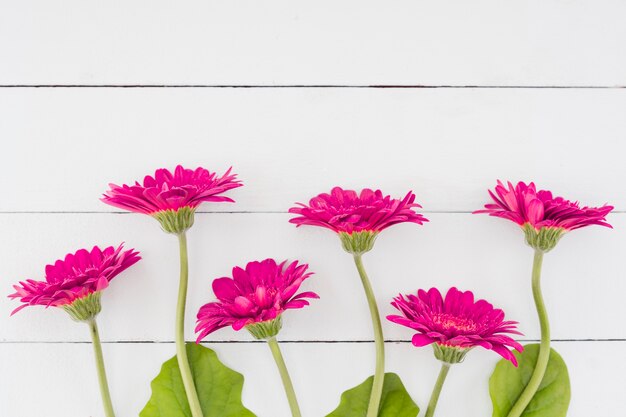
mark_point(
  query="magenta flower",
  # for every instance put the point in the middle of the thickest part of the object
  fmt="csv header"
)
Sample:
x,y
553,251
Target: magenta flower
x,y
524,205
346,211
172,200
77,276
74,284
258,294
458,322
357,219
544,219
167,191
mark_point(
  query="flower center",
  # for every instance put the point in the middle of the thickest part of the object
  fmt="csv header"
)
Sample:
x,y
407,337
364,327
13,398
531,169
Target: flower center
x,y
450,322
264,297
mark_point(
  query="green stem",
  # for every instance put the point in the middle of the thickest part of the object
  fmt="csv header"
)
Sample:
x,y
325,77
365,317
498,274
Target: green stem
x,y
181,351
284,375
544,348
434,397
102,376
379,374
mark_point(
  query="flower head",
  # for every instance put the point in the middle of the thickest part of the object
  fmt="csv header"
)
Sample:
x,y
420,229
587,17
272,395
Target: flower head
x,y
172,198
357,217
259,294
348,211
455,324
523,204
76,277
543,217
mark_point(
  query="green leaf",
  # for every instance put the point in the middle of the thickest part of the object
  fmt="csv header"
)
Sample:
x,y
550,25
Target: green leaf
x,y
507,383
219,388
395,401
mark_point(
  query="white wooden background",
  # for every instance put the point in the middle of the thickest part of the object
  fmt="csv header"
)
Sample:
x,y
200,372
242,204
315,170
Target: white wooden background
x,y
439,97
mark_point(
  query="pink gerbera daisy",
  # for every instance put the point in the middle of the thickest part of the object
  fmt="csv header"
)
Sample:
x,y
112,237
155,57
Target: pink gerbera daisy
x,y
167,191
543,217
172,198
357,217
75,284
348,211
455,324
523,204
77,276
260,293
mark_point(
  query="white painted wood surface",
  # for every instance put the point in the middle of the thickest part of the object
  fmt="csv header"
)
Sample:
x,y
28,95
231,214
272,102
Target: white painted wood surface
x,y
483,42
61,146
470,251
56,371
448,145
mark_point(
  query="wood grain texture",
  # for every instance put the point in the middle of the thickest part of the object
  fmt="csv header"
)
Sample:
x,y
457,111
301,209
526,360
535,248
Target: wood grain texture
x,y
480,253
449,146
528,91
485,42
61,377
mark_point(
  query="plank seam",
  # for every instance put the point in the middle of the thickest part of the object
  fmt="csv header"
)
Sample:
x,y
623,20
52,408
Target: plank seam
x,y
121,342
235,212
328,86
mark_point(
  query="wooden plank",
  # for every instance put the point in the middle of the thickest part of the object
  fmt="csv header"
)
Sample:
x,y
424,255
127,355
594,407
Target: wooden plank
x,y
411,42
582,279
39,378
65,145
